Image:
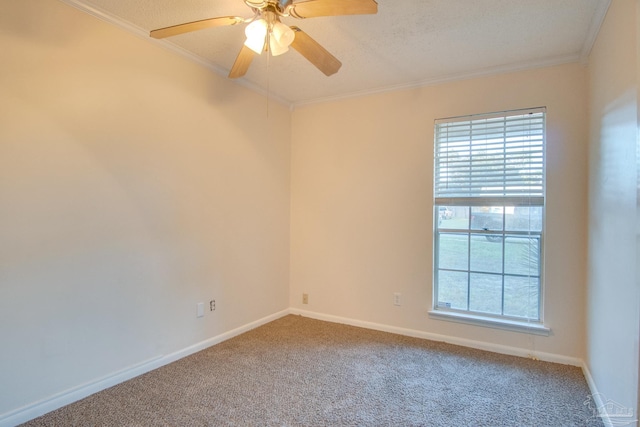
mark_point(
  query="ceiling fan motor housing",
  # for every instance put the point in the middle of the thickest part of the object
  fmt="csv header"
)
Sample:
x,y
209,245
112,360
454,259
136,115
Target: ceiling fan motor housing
x,y
279,6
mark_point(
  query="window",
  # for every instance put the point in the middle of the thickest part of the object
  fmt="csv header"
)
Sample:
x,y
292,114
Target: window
x,y
489,187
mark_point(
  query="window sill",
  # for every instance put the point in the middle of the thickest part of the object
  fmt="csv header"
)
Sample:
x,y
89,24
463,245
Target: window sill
x,y
490,322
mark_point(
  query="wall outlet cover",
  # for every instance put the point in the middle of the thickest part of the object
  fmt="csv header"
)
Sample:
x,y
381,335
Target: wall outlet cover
x,y
396,298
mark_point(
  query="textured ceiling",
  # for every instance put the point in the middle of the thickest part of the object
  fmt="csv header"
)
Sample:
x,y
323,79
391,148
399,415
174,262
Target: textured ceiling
x,y
408,43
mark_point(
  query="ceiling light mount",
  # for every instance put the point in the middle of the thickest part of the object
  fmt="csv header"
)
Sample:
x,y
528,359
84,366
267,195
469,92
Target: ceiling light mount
x,y
281,7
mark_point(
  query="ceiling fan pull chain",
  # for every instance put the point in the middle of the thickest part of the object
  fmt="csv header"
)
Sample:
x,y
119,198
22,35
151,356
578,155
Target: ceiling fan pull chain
x,y
268,72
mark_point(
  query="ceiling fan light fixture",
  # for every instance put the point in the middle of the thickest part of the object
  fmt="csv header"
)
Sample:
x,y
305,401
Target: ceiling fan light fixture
x,y
256,33
265,32
280,38
277,48
283,34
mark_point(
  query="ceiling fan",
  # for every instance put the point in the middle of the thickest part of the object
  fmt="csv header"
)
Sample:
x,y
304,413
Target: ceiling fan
x,y
266,33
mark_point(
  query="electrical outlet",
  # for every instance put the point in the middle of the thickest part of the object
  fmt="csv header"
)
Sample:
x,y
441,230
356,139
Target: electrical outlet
x,y
305,298
396,299
212,305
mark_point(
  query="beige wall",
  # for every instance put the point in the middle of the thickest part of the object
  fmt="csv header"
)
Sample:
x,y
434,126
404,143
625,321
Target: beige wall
x,y
614,295
132,187
362,203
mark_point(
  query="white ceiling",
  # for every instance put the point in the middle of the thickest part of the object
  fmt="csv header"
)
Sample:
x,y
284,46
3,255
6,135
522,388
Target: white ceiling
x,y
408,43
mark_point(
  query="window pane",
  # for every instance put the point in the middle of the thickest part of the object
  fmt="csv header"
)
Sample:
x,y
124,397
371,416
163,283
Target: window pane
x,y
452,289
522,256
486,293
523,218
453,217
486,255
454,252
487,218
521,297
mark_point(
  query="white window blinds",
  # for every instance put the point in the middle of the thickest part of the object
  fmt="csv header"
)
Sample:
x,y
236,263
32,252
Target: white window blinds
x,y
492,156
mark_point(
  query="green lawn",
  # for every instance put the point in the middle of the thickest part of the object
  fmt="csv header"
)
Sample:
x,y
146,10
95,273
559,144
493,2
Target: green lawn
x,y
483,290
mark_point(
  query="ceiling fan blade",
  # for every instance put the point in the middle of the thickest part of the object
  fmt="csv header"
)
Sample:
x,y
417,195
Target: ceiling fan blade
x,y
194,26
243,61
315,53
315,8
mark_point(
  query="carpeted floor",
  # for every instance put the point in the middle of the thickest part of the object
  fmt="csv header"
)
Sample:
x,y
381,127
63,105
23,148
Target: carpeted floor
x,y
297,371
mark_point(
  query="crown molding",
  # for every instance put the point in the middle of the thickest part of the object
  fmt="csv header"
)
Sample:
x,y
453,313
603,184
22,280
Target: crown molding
x,y
594,29
165,44
582,57
486,72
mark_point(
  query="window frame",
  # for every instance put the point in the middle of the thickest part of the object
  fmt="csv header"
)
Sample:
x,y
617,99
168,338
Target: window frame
x,y
532,324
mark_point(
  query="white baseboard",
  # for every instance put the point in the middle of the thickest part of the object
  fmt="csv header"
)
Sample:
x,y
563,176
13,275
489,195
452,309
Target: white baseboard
x,y
596,396
59,400
220,338
74,394
480,345
67,397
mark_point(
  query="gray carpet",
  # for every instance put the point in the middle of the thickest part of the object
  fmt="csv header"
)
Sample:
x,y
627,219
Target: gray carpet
x,y
297,371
